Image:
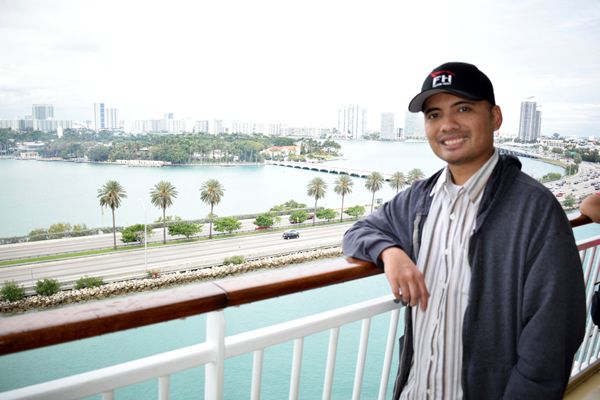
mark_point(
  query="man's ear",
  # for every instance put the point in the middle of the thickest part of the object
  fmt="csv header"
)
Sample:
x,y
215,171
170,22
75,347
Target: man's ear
x,y
496,117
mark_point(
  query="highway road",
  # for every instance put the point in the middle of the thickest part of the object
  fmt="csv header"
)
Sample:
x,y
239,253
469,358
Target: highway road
x,y
16,251
76,244
135,263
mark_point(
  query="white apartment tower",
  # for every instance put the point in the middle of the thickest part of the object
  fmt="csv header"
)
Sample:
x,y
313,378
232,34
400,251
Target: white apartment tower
x,y
42,111
105,118
352,121
388,131
530,122
414,126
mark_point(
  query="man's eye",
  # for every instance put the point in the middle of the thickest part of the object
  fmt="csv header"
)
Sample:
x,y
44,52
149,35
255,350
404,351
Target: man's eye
x,y
464,108
432,115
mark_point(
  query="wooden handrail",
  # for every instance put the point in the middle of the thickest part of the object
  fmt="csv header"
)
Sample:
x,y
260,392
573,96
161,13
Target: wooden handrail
x,y
581,220
34,330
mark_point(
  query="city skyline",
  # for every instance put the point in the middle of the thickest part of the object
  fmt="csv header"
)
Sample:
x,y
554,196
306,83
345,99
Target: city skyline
x,y
295,63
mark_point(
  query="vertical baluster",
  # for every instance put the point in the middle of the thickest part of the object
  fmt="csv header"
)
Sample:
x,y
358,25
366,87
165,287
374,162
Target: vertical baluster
x,y
362,354
215,337
580,355
591,338
257,374
163,387
296,366
331,354
389,352
590,270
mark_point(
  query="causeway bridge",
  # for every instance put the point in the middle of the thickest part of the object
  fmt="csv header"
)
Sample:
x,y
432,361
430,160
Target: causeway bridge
x,y
361,173
318,167
515,152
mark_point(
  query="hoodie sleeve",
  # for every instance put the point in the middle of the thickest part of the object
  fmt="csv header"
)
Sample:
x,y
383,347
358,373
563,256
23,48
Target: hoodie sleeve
x,y
389,226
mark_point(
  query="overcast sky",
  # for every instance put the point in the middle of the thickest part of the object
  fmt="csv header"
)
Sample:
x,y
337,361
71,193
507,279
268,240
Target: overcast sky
x,y
295,62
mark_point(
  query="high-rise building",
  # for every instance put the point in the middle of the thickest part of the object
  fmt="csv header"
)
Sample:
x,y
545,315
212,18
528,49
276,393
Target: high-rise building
x,y
99,117
388,132
105,117
530,122
112,118
413,125
42,111
352,121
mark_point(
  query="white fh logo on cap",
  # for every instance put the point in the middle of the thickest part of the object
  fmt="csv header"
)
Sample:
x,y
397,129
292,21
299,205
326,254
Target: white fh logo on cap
x,y
442,80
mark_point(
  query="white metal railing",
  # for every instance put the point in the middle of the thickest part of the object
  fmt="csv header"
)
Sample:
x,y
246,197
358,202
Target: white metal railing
x,y
217,348
589,351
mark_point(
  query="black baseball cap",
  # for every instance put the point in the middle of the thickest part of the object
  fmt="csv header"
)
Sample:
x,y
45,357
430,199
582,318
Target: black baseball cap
x,y
461,79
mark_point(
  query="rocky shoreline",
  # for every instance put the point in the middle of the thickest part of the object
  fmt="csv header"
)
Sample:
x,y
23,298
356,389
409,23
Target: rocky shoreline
x,y
163,281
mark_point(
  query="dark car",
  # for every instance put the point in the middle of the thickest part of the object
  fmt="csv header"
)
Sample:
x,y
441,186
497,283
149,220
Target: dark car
x,y
291,234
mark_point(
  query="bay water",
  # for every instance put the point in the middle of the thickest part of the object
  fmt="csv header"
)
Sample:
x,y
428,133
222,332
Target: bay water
x,y
37,194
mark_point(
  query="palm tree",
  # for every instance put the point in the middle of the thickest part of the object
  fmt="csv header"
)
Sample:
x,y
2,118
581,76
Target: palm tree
x,y
343,186
397,181
162,196
415,174
316,188
110,195
373,184
211,193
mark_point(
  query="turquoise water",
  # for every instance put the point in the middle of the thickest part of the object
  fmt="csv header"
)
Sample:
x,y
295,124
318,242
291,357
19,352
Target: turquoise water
x,y
40,193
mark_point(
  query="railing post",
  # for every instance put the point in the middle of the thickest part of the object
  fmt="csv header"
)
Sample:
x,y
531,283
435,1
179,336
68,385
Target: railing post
x,y
213,373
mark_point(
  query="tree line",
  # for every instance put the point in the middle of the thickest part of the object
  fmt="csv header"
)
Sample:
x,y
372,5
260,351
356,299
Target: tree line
x,y
177,149
162,195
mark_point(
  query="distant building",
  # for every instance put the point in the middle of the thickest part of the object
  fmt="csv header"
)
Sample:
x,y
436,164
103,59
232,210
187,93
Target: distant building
x,y
414,126
105,118
388,131
281,151
530,122
99,117
42,111
216,127
352,121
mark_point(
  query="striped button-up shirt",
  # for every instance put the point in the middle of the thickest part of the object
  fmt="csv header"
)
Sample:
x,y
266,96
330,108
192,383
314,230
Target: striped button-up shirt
x,y
443,259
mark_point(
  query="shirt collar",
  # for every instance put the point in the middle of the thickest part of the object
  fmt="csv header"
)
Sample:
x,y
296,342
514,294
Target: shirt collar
x,y
475,184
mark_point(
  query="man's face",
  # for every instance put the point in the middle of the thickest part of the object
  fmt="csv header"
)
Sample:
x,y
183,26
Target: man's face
x,y
461,131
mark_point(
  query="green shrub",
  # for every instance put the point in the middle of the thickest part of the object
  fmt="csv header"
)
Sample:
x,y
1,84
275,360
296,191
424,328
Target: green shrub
x,y
234,260
134,233
297,217
356,211
186,229
11,291
153,273
88,282
60,227
47,287
38,234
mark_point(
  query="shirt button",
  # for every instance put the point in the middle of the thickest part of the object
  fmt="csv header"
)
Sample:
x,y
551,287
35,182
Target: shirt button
x,y
452,216
446,251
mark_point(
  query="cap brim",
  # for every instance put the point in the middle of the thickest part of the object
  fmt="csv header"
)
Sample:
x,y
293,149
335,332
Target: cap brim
x,y
416,104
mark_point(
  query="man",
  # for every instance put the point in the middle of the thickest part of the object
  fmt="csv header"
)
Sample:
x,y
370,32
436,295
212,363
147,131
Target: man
x,y
483,255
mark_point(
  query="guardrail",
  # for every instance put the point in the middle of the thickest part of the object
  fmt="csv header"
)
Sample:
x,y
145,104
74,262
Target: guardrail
x,y
31,331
